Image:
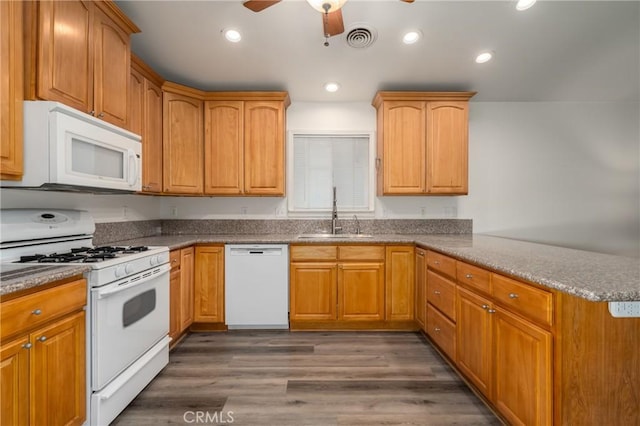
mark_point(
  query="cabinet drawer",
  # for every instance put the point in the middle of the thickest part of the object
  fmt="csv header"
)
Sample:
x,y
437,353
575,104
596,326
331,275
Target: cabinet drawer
x,y
174,258
25,312
361,252
441,293
441,263
474,277
313,252
442,331
524,299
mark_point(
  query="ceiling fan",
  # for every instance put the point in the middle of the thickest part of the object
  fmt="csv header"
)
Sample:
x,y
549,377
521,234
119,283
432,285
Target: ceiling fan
x,y
332,23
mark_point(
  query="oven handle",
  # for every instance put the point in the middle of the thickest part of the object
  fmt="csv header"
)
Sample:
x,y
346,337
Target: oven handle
x,y
117,288
133,165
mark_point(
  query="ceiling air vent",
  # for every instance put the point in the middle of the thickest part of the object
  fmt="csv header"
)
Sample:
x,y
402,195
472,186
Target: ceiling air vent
x,y
361,36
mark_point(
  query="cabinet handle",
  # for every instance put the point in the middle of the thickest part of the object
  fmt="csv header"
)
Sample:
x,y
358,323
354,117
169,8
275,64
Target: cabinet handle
x,y
92,113
492,311
437,330
436,291
42,338
36,312
513,295
469,276
378,162
420,254
437,262
27,345
175,260
485,306
101,115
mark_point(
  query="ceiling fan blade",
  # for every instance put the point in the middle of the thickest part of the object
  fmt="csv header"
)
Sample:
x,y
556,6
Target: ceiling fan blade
x,y
259,5
332,23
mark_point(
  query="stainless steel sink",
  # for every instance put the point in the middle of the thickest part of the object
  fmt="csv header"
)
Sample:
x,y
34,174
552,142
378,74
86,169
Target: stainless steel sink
x,y
340,236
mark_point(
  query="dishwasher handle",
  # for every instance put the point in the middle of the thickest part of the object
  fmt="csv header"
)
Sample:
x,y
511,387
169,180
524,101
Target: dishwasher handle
x,y
263,251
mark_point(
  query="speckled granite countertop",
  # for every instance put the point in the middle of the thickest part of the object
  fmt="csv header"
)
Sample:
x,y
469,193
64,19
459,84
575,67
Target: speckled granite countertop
x,y
20,276
589,275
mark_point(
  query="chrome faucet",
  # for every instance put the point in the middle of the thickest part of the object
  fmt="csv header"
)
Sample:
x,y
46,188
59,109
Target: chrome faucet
x,y
334,215
355,217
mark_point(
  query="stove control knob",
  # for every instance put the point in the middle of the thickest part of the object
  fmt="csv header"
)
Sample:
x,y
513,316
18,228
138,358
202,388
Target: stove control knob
x,y
120,271
128,269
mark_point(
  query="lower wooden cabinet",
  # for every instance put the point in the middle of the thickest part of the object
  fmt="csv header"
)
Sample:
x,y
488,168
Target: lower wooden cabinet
x,y
361,291
313,290
421,288
209,285
399,283
187,275
42,357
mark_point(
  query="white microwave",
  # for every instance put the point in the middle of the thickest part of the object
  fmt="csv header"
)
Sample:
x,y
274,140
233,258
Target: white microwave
x,y
65,149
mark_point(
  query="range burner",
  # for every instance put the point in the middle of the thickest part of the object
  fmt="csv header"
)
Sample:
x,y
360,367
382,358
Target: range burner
x,y
84,255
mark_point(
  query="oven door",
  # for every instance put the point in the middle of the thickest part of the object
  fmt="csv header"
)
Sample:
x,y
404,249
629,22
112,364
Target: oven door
x,y
129,317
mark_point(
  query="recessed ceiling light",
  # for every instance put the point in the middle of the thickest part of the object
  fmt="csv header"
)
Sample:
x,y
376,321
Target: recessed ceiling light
x,y
525,4
411,37
232,35
331,87
484,57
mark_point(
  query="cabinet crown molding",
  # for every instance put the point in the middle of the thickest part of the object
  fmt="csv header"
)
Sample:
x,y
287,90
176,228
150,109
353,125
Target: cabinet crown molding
x,y
419,96
114,12
248,96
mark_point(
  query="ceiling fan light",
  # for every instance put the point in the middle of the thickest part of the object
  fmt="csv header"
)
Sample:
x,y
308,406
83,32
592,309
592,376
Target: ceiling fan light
x,y
484,57
524,4
333,5
411,37
232,35
331,87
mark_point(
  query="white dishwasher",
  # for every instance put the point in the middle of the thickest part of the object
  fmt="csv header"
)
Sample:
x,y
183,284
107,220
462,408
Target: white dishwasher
x,y
256,278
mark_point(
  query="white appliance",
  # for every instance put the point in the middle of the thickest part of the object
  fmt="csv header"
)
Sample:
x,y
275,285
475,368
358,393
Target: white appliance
x,y
128,300
65,149
256,286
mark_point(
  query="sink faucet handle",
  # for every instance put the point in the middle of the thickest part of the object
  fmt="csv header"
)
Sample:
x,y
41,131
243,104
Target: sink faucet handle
x,y
355,217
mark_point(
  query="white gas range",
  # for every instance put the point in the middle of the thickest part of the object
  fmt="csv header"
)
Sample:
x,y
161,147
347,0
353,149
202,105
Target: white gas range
x,y
128,300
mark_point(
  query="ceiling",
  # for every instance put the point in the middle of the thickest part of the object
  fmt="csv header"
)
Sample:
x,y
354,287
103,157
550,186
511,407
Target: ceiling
x,y
555,51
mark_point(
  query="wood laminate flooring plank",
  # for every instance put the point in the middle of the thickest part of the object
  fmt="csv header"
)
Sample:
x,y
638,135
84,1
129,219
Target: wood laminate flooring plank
x,y
307,378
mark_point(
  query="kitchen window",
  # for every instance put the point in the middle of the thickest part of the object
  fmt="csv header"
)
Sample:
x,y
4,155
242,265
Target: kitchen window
x,y
320,161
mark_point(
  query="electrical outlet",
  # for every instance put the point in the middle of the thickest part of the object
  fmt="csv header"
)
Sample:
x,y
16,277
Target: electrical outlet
x,y
174,212
423,211
243,210
625,309
125,211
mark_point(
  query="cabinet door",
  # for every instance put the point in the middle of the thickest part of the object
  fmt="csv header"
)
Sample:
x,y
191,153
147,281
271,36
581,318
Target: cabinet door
x,y
112,70
404,158
209,284
136,103
152,138
65,53
14,376
175,304
186,287
473,339
421,287
11,89
58,372
223,147
447,145
313,291
361,291
523,387
182,144
264,125
399,283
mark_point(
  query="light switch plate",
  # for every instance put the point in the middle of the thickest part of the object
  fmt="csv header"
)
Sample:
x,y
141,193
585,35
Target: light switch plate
x,y
625,309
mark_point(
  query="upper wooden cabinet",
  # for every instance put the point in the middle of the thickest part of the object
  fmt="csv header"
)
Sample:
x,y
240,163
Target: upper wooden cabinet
x,y
79,54
11,89
244,148
145,119
422,142
182,139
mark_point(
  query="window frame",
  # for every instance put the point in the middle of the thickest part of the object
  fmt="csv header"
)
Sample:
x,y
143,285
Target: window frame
x,y
321,213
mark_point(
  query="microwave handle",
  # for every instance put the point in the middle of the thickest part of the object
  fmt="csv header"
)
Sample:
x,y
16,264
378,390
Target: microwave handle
x,y
133,166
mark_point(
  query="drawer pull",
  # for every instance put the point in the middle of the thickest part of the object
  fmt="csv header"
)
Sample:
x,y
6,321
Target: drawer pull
x,y
469,276
492,311
27,345
436,292
36,312
437,329
42,338
485,306
513,295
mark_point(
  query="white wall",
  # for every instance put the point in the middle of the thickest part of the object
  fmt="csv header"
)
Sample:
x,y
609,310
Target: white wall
x,y
560,173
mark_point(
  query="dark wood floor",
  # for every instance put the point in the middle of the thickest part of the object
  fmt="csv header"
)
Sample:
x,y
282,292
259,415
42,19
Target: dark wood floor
x,y
311,378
